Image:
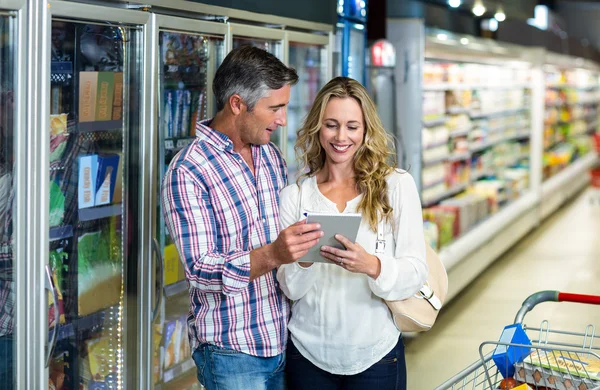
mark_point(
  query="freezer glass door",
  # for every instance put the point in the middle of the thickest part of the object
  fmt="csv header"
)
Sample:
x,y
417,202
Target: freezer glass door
x,y
8,199
337,50
310,61
188,62
356,57
94,122
272,46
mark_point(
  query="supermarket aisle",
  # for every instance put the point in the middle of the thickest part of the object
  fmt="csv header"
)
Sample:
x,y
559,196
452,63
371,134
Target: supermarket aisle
x,y
563,254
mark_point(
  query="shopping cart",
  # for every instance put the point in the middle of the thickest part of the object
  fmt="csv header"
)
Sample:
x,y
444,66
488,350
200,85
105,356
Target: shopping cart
x,y
546,344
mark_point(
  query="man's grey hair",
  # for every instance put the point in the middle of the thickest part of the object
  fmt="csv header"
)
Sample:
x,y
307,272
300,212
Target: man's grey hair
x,y
252,73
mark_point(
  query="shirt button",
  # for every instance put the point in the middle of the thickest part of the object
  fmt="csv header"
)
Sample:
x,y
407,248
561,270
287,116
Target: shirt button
x,y
264,220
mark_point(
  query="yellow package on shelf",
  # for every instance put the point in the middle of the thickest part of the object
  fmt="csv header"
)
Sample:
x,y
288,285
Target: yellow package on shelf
x,y
172,265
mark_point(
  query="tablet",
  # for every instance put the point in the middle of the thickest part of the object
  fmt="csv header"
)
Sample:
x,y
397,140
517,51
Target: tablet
x,y
331,224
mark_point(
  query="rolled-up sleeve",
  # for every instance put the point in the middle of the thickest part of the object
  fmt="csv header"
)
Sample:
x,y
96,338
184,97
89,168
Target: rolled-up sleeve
x,y
403,273
295,281
190,219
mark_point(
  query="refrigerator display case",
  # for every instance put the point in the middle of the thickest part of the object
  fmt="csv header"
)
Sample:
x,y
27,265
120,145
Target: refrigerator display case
x,y
94,125
351,31
308,54
95,101
572,102
189,54
476,137
381,86
9,197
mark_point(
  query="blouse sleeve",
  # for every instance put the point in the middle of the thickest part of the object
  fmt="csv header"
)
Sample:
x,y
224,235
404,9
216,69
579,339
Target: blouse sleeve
x,y
403,273
294,280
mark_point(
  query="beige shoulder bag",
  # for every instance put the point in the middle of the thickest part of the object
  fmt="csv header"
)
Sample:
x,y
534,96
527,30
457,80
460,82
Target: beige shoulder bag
x,y
418,313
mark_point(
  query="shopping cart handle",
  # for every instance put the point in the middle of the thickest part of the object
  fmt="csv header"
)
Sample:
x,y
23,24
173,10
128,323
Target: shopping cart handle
x,y
553,296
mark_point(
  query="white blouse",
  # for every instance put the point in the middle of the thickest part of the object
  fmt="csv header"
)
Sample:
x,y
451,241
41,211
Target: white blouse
x,y
339,321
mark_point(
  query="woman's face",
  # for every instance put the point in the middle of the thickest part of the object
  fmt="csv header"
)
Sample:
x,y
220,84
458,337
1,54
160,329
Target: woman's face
x,y
342,131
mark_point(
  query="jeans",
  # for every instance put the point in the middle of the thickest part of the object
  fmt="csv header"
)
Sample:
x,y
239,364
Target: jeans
x,y
6,362
226,369
387,374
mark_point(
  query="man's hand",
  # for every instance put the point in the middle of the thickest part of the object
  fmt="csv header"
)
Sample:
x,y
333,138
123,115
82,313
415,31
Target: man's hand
x,y
295,241
291,244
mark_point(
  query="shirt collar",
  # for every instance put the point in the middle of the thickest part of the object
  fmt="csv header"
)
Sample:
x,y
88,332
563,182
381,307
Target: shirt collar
x,y
212,136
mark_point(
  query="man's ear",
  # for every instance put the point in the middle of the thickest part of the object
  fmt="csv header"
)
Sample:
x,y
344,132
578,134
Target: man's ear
x,y
236,103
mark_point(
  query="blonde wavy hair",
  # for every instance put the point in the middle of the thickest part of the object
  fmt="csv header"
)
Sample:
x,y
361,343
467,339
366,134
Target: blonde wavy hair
x,y
374,160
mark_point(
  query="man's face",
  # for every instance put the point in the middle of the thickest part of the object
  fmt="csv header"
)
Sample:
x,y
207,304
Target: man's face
x,y
269,113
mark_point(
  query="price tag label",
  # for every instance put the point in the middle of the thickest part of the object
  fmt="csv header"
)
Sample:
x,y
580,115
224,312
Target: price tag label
x,y
182,143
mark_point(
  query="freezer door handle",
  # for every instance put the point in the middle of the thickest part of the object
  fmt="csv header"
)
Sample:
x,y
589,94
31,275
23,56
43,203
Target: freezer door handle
x,y
52,342
161,277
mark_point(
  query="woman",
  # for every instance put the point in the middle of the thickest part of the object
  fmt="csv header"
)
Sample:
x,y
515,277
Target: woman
x,y
342,333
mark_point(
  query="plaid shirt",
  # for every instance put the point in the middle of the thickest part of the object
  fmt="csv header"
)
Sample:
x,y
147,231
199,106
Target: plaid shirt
x,y
7,284
217,211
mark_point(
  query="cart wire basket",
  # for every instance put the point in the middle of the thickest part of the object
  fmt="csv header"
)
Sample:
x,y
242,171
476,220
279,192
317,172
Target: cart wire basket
x,y
561,360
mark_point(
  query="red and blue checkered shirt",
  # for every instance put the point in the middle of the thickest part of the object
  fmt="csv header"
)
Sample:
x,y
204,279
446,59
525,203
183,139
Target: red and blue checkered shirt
x,y
217,211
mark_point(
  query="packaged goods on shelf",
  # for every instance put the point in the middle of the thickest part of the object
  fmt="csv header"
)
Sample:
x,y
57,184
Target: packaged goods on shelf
x,y
445,222
435,155
458,101
99,179
431,232
458,173
435,136
102,361
459,124
57,204
99,269
58,136
469,209
174,271
433,105
176,345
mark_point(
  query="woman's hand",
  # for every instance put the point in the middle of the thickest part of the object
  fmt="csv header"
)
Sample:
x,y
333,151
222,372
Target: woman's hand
x,y
354,258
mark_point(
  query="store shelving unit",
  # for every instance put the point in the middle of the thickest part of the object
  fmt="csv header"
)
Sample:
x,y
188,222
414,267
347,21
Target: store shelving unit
x,y
477,125
546,103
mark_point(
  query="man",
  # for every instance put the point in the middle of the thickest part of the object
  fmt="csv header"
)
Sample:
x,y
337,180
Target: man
x,y
220,198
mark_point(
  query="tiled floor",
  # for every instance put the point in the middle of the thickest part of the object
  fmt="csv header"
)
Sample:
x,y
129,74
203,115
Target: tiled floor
x,y
562,254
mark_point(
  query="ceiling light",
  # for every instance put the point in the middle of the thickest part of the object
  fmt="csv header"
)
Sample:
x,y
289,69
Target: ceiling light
x,y
464,41
500,15
493,25
454,3
478,8
442,37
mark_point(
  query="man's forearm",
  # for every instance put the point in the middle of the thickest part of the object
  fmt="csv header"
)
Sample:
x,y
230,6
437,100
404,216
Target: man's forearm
x,y
262,260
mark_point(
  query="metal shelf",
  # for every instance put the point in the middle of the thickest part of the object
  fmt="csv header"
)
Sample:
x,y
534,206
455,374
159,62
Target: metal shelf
x,y
85,127
435,145
434,183
61,232
446,194
434,122
178,370
93,213
90,322
461,132
176,289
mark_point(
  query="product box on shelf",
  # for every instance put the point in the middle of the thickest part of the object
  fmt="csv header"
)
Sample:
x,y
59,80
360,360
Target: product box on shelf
x,y
88,171
108,166
117,110
99,277
104,100
176,345
102,359
88,90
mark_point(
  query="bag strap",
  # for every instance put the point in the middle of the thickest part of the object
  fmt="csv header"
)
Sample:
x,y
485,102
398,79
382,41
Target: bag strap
x,y
426,292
